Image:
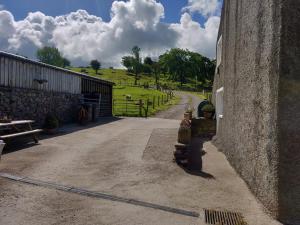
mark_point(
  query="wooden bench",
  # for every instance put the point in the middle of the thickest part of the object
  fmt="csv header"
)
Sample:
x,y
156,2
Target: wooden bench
x,y
13,130
25,133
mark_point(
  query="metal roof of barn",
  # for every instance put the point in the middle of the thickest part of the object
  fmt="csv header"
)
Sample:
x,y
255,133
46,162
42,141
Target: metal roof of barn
x,y
24,59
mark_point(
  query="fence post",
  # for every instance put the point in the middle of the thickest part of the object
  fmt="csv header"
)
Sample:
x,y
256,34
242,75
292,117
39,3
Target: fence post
x,y
158,100
140,107
147,108
153,103
126,107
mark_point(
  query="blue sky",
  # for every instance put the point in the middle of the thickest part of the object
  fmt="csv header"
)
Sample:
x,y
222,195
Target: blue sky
x,y
84,29
101,8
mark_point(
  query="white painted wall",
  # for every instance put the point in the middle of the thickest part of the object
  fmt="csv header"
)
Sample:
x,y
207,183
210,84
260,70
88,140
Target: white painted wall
x,y
219,51
219,105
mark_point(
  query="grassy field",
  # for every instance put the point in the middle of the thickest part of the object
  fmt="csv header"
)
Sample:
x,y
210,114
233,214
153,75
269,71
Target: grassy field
x,y
126,95
122,78
118,76
127,100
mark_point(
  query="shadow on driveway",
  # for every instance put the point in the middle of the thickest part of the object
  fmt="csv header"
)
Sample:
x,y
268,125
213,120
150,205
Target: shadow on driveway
x,y
194,166
27,142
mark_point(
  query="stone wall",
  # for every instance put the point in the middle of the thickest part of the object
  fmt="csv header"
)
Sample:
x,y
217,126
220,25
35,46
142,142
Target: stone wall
x,y
260,73
35,104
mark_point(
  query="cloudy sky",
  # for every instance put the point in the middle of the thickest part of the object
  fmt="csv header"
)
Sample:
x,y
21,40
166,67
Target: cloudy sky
x,y
108,29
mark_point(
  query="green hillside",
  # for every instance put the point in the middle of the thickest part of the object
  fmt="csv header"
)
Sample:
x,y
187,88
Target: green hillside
x,y
122,78
126,95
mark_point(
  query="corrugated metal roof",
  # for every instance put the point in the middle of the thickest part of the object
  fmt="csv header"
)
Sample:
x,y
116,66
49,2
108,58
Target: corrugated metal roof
x,y
24,59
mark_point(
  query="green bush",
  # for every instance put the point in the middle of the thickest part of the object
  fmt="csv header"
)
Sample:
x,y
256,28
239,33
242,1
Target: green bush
x,y
208,108
51,122
83,70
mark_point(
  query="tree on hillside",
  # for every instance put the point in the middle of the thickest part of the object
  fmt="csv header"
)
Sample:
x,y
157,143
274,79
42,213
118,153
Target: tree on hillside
x,y
210,67
183,65
136,62
176,61
156,70
133,62
151,66
50,55
66,62
196,66
147,66
148,61
96,65
127,61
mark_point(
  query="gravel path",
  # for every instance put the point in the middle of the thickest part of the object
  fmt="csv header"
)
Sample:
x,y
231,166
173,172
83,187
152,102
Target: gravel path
x,y
176,112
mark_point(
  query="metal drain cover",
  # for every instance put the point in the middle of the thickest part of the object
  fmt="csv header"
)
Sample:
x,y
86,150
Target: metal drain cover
x,y
223,218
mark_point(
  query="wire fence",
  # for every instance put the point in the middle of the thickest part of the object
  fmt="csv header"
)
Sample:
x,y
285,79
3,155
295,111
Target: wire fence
x,y
140,106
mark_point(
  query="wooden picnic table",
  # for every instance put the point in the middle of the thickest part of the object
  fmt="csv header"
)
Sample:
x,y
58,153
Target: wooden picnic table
x,y
17,128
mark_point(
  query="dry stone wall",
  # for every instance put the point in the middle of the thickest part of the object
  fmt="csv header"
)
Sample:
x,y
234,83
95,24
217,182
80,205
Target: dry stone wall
x,y
31,104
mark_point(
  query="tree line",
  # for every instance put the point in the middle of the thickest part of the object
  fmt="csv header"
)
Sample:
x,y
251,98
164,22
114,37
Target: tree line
x,y
180,65
52,56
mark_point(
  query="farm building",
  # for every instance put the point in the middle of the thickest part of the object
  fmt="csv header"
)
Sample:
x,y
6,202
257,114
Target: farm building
x,y
257,97
31,90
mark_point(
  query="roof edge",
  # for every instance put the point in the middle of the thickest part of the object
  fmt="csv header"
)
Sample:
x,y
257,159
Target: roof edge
x,y
24,59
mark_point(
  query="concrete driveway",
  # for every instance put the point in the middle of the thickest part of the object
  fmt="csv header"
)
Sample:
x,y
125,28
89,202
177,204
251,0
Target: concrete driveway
x,y
129,158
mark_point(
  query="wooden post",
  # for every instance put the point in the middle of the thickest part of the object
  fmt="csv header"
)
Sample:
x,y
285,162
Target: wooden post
x,y
153,103
140,107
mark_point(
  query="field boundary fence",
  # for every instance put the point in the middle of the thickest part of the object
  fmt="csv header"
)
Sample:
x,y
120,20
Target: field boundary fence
x,y
140,106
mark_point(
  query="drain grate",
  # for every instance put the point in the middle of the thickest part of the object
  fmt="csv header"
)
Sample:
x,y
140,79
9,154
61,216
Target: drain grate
x,y
98,195
223,218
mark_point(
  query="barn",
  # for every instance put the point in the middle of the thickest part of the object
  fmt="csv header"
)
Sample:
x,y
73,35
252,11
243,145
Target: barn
x,y
31,90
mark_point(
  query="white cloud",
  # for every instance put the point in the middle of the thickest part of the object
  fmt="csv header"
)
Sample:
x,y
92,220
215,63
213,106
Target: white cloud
x,y
194,36
204,7
82,37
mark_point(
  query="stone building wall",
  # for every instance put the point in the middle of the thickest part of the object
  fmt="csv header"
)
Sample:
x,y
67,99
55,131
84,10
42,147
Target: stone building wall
x,y
249,73
35,104
260,73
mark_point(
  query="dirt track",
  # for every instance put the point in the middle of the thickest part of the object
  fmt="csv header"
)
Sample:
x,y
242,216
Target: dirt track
x,y
176,112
